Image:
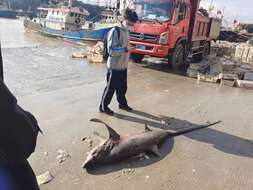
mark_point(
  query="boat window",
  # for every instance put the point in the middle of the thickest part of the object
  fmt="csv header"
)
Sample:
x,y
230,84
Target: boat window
x,y
71,14
57,12
53,12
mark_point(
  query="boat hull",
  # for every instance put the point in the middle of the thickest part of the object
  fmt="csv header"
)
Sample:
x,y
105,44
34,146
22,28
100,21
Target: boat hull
x,y
85,35
8,14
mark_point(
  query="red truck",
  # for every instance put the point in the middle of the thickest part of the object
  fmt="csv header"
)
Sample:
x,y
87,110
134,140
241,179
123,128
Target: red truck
x,y
173,29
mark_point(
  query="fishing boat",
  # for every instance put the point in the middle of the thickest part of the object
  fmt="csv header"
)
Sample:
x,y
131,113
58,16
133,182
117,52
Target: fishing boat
x,y
66,22
7,12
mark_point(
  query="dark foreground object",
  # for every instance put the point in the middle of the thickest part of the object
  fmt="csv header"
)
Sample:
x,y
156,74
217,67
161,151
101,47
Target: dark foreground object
x,y
18,177
18,136
117,148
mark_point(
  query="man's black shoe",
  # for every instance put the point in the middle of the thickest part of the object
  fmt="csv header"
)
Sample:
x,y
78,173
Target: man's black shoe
x,y
107,111
126,108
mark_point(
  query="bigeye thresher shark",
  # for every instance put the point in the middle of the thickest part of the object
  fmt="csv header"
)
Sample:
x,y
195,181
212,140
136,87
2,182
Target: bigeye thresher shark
x,y
117,148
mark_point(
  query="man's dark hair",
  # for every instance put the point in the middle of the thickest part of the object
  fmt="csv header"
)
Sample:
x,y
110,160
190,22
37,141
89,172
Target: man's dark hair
x,y
1,65
130,15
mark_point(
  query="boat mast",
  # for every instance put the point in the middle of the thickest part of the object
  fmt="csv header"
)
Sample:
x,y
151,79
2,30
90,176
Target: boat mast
x,y
70,3
210,7
122,5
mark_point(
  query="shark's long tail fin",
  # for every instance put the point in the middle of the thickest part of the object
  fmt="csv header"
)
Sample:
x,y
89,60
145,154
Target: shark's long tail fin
x,y
113,134
193,129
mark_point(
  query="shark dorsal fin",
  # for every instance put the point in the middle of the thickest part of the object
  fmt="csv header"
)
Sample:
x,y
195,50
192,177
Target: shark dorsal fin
x,y
147,128
112,133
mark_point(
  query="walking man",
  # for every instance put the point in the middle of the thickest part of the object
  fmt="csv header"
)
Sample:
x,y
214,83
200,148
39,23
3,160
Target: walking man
x,y
117,63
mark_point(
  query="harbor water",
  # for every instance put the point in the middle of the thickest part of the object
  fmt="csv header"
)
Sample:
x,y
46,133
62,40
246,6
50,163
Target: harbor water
x,y
34,63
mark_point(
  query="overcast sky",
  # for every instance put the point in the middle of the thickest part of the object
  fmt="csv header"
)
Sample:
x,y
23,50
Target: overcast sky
x,y
241,10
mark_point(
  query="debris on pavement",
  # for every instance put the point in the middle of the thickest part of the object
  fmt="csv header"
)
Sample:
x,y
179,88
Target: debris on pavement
x,y
95,58
128,171
209,70
248,76
231,36
244,84
224,49
62,156
210,78
80,55
44,178
244,52
95,54
45,153
88,140
97,49
229,63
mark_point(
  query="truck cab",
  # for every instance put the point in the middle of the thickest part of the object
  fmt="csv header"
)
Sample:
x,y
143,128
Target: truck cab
x,y
170,29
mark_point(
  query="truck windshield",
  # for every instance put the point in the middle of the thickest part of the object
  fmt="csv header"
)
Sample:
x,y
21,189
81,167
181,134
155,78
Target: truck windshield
x,y
160,10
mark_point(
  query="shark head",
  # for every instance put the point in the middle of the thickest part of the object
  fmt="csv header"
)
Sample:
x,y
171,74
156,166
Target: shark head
x,y
99,154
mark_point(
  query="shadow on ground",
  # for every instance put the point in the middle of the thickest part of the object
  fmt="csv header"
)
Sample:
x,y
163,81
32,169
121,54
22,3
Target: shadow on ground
x,y
163,67
222,141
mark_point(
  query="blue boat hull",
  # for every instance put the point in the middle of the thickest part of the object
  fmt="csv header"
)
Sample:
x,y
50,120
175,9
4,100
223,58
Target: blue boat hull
x,y
82,35
8,14
96,35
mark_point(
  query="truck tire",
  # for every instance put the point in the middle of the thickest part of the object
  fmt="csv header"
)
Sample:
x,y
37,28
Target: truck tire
x,y
137,58
177,59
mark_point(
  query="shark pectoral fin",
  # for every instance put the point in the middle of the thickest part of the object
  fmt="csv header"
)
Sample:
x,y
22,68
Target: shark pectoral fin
x,y
147,128
113,134
154,149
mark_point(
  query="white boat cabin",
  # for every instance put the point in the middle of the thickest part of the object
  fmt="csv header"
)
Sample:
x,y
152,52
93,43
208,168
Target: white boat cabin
x,y
67,19
109,16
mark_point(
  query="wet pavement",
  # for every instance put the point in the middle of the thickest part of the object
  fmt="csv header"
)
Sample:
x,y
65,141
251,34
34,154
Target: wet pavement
x,y
64,94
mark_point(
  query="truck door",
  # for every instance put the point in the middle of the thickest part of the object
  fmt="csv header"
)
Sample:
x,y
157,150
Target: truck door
x,y
181,19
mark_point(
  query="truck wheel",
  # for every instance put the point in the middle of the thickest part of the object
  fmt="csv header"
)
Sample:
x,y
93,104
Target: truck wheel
x,y
178,57
137,58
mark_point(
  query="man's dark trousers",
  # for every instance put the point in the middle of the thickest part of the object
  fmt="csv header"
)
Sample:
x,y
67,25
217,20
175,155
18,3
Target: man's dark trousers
x,y
116,81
